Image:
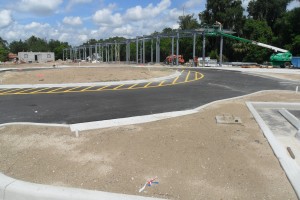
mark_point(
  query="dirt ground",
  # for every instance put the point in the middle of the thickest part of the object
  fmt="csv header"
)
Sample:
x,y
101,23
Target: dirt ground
x,y
81,75
292,77
192,156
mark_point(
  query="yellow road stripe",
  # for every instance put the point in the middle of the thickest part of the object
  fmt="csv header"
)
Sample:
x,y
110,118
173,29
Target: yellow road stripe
x,y
201,76
39,90
147,84
55,90
118,87
22,91
2,90
86,89
9,91
161,83
175,80
72,89
187,77
103,88
133,86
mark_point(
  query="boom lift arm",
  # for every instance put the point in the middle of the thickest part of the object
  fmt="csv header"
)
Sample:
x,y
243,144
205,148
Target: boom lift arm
x,y
282,59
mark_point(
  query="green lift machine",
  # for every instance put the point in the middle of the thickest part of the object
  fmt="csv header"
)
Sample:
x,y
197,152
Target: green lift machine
x,y
280,57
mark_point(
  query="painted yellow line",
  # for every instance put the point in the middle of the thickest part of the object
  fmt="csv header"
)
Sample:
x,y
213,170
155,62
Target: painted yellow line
x,y
161,83
201,76
9,91
39,90
175,80
132,86
118,87
2,90
69,90
22,91
187,77
147,84
85,89
55,90
103,88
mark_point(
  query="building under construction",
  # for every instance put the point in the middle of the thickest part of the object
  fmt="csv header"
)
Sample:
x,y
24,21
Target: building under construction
x,y
36,57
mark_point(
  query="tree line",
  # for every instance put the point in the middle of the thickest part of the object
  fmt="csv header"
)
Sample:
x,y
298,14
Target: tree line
x,y
266,21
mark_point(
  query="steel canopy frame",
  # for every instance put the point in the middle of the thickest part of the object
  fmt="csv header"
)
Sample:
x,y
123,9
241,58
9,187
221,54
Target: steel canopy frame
x,y
112,49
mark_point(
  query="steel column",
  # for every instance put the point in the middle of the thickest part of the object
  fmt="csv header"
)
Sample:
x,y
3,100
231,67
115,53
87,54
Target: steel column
x,y
194,49
203,50
137,50
144,59
172,50
151,51
177,48
221,51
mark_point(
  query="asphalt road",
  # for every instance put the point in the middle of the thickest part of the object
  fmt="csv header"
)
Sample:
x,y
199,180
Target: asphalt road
x,y
69,108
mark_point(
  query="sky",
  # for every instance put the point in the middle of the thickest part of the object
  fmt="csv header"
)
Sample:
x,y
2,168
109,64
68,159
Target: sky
x,y
76,21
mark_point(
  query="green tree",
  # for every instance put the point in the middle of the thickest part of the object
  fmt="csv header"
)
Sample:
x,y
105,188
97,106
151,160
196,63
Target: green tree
x,y
36,44
269,10
295,49
258,31
287,29
228,12
57,47
187,22
3,50
18,46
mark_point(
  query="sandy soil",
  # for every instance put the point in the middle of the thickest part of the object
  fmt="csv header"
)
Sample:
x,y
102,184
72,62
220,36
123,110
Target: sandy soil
x,y
81,75
293,77
192,156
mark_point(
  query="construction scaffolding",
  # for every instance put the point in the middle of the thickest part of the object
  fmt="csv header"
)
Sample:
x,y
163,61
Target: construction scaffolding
x,y
109,52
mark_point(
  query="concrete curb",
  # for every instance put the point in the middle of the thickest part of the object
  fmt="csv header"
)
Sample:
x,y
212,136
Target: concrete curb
x,y
35,124
128,120
12,189
290,166
172,76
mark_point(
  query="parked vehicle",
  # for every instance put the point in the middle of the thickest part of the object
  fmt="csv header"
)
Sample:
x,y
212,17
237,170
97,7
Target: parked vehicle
x,y
172,59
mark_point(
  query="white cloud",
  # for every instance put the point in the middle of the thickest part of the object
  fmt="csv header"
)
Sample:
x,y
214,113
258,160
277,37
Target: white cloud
x,y
73,21
74,2
293,4
192,3
83,38
138,13
124,31
5,18
36,26
110,21
39,7
106,17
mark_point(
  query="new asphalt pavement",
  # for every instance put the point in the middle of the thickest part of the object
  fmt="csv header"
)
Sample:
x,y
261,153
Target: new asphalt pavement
x,y
69,108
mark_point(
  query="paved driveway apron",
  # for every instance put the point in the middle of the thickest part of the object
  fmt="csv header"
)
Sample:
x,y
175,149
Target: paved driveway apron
x,y
72,105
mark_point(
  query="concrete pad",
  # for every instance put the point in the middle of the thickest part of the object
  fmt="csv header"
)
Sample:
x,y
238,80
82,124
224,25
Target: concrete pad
x,y
4,182
228,119
281,136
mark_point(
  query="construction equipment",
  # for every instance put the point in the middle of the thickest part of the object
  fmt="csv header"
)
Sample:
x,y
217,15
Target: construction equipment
x,y
282,59
173,58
